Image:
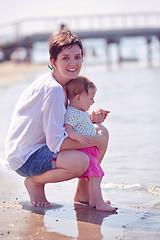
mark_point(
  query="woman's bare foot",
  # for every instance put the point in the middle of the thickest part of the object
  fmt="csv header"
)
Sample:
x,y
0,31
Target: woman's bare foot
x,y
36,193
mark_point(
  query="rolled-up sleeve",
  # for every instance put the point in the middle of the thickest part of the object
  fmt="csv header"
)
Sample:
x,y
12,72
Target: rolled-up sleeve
x,y
53,118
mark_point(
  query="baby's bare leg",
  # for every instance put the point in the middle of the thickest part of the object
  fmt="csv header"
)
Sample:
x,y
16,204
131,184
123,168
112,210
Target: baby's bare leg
x,y
95,194
70,164
82,194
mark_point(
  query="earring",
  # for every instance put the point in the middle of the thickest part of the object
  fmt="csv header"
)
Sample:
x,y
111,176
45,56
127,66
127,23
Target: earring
x,y
50,66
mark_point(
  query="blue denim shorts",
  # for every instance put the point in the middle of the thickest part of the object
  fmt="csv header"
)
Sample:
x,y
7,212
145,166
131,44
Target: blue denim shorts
x,y
40,161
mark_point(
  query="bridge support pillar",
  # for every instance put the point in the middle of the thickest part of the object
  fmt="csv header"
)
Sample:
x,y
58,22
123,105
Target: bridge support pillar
x,y
149,50
7,53
158,37
108,54
119,55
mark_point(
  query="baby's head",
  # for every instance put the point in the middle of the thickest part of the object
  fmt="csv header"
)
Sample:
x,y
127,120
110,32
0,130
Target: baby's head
x,y
80,92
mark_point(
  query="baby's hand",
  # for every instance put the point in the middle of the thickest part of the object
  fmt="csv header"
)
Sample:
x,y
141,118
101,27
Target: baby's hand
x,y
99,115
106,112
83,139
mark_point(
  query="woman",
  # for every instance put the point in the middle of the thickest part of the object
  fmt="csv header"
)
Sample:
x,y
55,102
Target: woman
x,y
37,145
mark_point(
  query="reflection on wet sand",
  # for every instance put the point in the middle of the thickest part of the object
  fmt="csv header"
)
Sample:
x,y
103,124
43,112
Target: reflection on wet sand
x,y
94,220
65,222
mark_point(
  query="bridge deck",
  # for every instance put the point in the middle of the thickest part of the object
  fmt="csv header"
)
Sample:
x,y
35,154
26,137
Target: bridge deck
x,y
114,35
111,34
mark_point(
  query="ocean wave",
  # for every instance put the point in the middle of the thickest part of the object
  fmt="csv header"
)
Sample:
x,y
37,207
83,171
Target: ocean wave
x,y
155,190
120,185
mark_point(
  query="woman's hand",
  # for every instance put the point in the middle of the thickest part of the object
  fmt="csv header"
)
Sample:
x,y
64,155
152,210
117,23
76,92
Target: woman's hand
x,y
99,115
98,140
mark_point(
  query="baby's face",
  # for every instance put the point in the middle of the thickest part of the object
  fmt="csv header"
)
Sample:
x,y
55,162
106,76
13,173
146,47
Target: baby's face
x,y
86,100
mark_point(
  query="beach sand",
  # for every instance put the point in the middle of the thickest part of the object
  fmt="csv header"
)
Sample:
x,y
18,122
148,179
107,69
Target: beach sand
x,y
11,73
65,219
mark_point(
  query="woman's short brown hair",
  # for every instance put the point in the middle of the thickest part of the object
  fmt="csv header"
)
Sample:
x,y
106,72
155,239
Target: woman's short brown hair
x,y
62,40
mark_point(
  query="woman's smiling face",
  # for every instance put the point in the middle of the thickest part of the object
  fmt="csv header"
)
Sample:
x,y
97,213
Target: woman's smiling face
x,y
68,64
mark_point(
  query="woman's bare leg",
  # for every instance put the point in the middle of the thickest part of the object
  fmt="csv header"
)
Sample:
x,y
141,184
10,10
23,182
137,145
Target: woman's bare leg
x,y
70,164
82,194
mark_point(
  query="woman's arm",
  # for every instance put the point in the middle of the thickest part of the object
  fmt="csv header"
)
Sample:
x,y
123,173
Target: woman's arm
x,y
98,140
84,140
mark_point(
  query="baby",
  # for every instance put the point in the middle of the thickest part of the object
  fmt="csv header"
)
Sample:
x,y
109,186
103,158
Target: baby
x,y
81,92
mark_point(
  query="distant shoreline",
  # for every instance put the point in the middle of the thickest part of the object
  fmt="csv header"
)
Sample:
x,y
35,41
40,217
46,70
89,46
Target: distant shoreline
x,y
11,72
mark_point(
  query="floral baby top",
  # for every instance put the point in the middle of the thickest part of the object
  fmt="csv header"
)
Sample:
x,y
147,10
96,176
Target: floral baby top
x,y
80,121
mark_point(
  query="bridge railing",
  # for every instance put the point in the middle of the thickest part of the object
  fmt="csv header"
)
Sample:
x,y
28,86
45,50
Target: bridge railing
x,y
51,25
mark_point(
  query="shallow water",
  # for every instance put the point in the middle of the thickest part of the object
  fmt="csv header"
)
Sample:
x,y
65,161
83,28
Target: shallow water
x,y
132,179
131,164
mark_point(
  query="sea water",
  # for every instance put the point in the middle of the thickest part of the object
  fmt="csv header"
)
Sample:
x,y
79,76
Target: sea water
x,y
131,164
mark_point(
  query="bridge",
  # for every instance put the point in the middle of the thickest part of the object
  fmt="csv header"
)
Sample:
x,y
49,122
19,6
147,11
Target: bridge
x,y
111,27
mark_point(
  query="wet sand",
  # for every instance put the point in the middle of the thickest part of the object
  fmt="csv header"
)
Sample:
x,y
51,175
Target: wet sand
x,y
65,219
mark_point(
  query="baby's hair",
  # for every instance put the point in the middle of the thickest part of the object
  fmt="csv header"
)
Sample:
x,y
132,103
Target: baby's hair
x,y
77,86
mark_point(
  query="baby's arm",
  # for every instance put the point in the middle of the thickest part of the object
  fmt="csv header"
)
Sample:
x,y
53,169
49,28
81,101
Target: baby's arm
x,y
76,136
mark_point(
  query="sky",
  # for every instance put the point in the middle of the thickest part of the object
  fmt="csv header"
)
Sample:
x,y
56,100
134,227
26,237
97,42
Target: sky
x,y
19,9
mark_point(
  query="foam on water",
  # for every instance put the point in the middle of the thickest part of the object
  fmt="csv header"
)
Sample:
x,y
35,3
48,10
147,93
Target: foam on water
x,y
155,190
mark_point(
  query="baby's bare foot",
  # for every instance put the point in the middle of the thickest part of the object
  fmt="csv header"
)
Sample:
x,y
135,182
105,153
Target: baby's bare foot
x,y
36,193
105,207
93,204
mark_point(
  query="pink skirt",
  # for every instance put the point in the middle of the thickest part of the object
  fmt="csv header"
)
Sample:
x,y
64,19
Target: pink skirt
x,y
94,168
